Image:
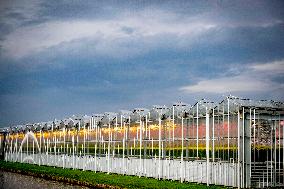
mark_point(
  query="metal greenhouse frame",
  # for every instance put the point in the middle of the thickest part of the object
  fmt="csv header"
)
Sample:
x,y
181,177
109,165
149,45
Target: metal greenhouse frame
x,y
237,142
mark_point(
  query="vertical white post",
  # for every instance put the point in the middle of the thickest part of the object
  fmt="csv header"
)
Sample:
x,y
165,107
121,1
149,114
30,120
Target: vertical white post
x,y
134,145
54,149
169,141
39,146
173,130
64,144
108,162
279,149
146,126
197,139
152,146
243,148
250,139
77,146
128,135
33,149
223,129
27,143
96,157
181,159
271,154
213,136
275,153
149,128
254,142
115,137
159,148
17,143
228,120
73,164
239,151
207,147
140,145
84,135
123,148
97,130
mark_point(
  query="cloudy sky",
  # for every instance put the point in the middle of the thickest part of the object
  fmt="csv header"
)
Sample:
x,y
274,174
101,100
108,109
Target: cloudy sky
x,y
59,58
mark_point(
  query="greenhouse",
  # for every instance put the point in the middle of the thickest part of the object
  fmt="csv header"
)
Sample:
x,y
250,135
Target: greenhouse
x,y
236,142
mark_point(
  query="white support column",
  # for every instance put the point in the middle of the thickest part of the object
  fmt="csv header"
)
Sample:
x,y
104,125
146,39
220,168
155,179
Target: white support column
x,y
84,135
197,128
254,141
173,130
28,145
33,149
228,125
16,151
243,149
149,128
40,133
152,147
213,136
146,126
64,142
228,120
140,149
275,153
207,149
108,148
123,148
73,159
181,159
279,149
250,124
159,168
239,152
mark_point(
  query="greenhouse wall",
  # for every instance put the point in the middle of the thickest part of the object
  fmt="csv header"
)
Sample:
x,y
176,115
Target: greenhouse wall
x,y
237,142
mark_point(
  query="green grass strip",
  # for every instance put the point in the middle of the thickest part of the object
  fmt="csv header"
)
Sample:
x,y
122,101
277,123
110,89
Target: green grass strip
x,y
97,180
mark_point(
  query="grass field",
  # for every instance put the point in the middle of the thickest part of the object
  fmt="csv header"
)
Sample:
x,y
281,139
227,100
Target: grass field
x,y
97,180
